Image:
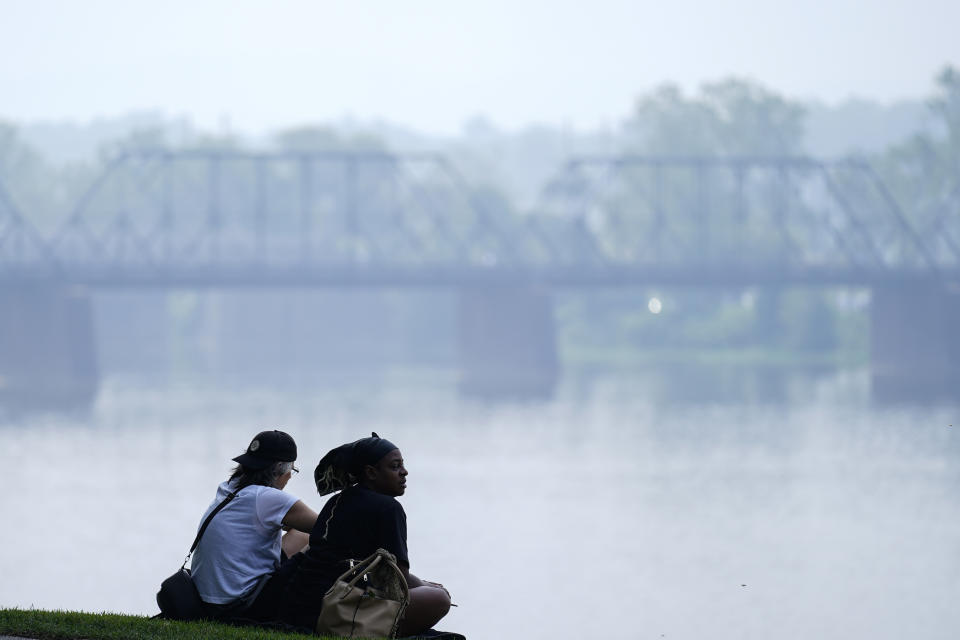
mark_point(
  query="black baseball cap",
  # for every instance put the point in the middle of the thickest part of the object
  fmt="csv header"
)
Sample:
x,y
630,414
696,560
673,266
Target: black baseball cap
x,y
266,448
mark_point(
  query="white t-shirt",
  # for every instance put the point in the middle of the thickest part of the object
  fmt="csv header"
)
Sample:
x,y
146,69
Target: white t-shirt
x,y
242,543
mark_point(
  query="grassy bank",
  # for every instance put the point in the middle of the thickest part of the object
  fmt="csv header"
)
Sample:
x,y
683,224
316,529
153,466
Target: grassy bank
x,y
71,625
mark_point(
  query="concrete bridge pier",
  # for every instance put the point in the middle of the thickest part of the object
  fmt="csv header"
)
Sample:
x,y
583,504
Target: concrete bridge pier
x,y
47,348
507,342
915,343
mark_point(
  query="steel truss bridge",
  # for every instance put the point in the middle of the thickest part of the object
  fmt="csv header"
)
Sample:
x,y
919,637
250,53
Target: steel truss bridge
x,y
160,218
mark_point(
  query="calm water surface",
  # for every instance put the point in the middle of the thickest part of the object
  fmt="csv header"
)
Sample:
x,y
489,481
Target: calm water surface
x,y
606,512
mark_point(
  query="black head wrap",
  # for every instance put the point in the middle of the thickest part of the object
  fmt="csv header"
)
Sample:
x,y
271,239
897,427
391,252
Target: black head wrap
x,y
341,467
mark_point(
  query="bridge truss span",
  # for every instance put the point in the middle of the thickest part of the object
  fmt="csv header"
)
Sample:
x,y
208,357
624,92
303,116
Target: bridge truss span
x,y
817,220
225,218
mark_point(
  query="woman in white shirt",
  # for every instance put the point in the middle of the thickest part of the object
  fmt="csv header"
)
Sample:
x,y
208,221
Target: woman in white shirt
x,y
242,563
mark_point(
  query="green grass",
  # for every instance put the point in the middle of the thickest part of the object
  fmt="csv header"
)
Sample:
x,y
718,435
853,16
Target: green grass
x,y
72,625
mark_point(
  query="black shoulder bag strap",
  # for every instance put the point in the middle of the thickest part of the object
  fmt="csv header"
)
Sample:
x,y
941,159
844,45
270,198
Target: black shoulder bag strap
x,y
203,527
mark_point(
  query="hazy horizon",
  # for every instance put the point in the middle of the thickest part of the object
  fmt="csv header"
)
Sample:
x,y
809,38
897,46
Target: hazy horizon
x,y
432,67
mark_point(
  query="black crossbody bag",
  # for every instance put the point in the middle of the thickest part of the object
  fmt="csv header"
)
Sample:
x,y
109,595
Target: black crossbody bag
x,y
178,598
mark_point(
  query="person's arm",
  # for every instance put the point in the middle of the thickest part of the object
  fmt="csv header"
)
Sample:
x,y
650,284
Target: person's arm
x,y
412,580
300,517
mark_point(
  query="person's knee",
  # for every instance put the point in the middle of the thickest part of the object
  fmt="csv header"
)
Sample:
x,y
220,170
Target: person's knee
x,y
427,606
441,601
433,599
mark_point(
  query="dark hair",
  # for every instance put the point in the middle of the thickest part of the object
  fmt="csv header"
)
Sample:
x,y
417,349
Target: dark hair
x,y
265,477
343,466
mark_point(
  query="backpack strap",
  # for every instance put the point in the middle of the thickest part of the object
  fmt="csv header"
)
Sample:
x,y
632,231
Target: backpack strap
x,y
206,522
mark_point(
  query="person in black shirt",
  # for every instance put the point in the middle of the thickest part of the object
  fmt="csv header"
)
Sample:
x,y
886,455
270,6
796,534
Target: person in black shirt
x,y
363,517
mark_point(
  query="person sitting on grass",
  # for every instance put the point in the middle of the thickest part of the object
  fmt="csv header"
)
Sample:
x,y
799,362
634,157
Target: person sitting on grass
x,y
363,517
241,565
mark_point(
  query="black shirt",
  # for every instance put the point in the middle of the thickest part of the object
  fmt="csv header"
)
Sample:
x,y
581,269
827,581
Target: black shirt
x,y
352,525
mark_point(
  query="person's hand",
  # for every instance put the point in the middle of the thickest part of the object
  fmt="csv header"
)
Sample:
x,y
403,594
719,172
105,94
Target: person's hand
x,y
437,585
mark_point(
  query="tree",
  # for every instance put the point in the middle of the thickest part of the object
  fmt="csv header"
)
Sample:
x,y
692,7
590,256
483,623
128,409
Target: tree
x,y
730,117
923,172
28,181
669,210
318,138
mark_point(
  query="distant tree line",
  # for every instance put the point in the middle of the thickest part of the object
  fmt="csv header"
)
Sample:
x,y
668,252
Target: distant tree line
x,y
731,117
741,118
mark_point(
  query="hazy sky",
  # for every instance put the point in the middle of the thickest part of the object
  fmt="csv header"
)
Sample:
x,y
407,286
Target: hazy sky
x,y
432,64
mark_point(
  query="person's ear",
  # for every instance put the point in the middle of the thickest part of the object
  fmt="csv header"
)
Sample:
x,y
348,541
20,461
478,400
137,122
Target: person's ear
x,y
370,472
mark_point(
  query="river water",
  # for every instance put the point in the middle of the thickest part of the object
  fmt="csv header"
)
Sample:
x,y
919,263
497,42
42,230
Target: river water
x,y
609,511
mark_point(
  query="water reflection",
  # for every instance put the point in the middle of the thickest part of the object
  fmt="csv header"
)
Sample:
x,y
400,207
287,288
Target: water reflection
x,y
815,515
679,383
